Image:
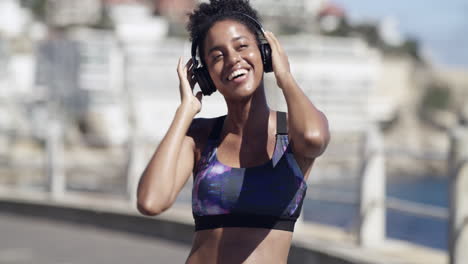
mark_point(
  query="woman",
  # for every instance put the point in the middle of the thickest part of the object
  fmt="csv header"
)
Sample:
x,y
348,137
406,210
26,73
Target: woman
x,y
249,167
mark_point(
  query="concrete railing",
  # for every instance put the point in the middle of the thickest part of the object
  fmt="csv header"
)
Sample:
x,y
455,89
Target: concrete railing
x,y
372,191
55,162
458,234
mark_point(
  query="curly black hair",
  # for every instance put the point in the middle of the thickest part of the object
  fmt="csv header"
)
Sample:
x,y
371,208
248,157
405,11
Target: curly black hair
x,y
207,14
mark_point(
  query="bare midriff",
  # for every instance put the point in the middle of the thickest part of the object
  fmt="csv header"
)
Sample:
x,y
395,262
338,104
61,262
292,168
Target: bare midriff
x,y
235,245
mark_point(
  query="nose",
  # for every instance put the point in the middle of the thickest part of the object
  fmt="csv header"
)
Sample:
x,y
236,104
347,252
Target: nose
x,y
234,57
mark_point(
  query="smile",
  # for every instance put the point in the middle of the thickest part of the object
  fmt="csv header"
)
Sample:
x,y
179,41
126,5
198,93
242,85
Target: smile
x,y
236,74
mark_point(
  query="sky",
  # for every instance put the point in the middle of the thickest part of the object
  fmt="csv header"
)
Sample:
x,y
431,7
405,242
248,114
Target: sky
x,y
440,26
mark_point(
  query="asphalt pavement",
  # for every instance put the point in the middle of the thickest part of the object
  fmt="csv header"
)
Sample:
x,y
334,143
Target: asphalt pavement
x,y
25,240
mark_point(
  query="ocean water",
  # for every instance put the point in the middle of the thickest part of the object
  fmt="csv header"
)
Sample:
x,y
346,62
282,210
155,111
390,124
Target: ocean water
x,y
426,231
403,226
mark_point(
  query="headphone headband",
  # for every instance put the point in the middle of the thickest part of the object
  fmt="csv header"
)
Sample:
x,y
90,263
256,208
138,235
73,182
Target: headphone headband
x,y
261,34
251,20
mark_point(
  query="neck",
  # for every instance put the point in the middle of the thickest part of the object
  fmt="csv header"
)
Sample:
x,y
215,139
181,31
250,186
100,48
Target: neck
x,y
247,115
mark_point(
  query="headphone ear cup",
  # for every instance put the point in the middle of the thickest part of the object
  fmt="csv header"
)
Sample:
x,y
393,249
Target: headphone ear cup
x,y
203,79
265,51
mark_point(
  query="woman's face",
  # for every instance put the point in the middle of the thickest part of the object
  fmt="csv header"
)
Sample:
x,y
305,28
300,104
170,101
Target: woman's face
x,y
233,59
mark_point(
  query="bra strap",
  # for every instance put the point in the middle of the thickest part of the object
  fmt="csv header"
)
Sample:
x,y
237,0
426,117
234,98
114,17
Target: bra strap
x,y
217,128
281,123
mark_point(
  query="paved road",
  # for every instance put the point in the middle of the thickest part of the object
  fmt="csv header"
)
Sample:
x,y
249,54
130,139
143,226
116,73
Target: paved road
x,y
37,241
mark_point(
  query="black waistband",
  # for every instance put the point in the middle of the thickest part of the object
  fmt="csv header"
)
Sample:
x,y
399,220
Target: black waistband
x,y
243,220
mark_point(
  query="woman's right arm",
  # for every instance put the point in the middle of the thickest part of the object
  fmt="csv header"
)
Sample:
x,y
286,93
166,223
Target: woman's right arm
x,y
172,163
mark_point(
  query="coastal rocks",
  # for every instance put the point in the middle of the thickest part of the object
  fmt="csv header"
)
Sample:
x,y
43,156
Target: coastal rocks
x,y
441,119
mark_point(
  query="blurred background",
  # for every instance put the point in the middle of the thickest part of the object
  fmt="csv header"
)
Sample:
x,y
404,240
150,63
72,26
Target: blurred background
x,y
88,88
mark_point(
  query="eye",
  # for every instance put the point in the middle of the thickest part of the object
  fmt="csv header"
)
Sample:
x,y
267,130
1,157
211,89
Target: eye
x,y
243,46
217,56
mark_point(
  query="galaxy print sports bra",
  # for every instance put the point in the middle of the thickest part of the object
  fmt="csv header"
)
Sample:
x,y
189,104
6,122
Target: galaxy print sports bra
x,y
265,196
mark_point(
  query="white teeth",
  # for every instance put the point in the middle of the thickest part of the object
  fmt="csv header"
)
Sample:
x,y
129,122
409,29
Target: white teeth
x,y
236,73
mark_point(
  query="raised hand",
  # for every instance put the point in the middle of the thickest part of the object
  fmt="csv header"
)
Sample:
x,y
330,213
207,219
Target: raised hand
x,y
186,84
280,60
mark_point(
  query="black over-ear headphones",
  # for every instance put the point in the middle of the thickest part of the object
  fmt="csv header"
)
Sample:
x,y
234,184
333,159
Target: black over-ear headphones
x,y
201,73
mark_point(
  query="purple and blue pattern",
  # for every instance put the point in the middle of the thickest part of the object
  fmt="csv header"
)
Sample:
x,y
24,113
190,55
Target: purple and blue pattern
x,y
276,188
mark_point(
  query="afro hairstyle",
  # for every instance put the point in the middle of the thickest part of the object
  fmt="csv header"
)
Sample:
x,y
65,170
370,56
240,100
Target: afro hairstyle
x,y
207,14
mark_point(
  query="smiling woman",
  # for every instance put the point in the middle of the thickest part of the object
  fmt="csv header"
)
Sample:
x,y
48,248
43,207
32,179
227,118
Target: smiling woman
x,y
250,166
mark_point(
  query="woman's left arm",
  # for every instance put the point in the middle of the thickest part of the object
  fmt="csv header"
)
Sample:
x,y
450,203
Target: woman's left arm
x,y
308,127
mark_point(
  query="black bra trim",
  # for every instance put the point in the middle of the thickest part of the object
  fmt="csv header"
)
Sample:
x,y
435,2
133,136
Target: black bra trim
x,y
244,220
281,123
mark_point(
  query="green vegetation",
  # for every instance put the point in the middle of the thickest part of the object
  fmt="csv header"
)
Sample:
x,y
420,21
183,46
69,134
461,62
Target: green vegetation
x,y
436,97
105,21
37,7
370,33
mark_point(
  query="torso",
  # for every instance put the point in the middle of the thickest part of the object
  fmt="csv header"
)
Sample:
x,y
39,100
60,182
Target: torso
x,y
242,244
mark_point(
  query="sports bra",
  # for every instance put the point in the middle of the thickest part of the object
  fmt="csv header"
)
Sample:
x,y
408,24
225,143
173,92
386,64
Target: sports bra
x,y
264,196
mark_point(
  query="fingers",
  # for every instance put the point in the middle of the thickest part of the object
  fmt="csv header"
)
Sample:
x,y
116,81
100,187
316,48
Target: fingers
x,y
279,57
180,68
186,78
183,68
273,41
190,77
183,82
199,96
184,72
270,39
189,65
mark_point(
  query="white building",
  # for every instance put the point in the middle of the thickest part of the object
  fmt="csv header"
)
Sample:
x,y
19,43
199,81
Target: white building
x,y
289,16
13,18
339,75
292,8
71,12
134,24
